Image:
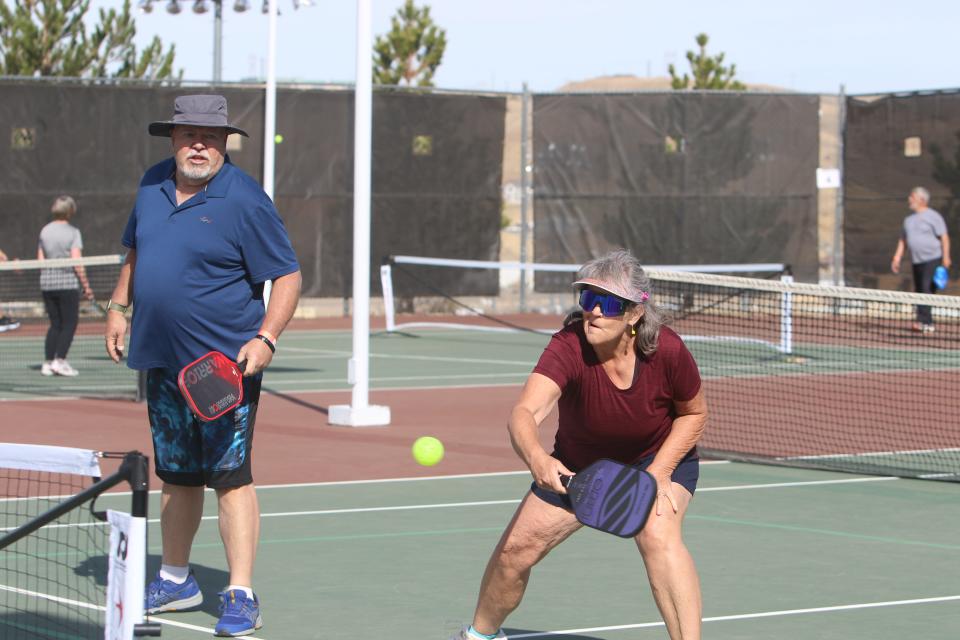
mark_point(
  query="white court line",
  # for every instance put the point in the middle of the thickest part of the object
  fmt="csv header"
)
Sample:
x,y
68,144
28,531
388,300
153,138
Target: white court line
x,y
447,505
742,616
194,627
344,386
95,607
334,483
46,596
437,376
398,356
483,503
773,485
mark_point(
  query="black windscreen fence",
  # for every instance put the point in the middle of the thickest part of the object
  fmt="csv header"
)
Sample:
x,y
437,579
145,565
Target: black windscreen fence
x,y
892,144
89,142
437,162
680,178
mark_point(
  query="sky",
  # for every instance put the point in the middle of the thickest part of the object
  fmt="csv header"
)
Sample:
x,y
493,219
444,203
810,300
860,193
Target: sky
x,y
500,45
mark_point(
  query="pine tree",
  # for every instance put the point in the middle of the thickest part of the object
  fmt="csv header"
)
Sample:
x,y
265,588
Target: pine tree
x,y
49,38
708,71
413,49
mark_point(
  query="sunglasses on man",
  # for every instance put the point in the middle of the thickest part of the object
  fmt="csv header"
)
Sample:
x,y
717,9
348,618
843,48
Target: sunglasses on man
x,y
611,306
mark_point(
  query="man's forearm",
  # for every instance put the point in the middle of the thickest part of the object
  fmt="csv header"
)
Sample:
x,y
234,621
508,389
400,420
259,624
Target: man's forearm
x,y
123,292
284,297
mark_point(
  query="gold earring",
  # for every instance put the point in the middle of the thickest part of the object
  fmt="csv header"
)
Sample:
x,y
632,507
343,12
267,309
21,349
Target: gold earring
x,y
633,330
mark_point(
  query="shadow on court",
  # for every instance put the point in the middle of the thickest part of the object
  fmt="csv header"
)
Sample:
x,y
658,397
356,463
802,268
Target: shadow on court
x,y
538,633
297,401
24,625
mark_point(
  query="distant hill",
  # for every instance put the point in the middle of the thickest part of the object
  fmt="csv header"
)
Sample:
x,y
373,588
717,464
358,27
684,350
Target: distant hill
x,y
636,83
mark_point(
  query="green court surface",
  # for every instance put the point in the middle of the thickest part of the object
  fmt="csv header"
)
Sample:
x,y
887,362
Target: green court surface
x,y
782,553
317,361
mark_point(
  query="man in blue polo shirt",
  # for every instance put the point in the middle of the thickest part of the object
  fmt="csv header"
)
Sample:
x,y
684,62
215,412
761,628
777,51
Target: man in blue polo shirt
x,y
203,238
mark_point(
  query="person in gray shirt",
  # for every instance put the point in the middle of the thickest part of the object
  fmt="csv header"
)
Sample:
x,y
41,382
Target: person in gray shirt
x,y
61,286
925,235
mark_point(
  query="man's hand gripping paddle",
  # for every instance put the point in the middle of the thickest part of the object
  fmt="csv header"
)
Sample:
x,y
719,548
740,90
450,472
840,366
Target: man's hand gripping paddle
x,y
212,385
612,497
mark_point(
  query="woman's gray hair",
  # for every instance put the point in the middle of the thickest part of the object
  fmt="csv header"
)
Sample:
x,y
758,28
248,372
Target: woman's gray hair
x,y
923,193
64,207
624,272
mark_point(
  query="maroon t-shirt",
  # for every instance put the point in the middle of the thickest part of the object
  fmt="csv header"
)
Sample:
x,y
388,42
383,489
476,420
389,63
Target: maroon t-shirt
x,y
598,420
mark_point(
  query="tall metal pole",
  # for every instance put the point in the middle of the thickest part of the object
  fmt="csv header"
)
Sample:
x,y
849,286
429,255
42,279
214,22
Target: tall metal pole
x,y
524,189
360,413
217,40
270,101
839,277
270,119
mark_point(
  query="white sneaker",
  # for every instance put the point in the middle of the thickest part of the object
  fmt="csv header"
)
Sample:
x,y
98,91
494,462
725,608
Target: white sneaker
x,y
46,369
465,634
63,368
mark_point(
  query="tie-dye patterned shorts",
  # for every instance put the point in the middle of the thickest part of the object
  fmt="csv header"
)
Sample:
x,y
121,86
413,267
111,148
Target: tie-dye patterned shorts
x,y
189,452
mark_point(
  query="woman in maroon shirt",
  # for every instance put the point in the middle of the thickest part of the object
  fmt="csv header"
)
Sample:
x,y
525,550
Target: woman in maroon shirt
x,y
626,388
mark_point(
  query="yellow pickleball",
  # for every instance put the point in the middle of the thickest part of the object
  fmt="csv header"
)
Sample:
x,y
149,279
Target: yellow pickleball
x,y
427,451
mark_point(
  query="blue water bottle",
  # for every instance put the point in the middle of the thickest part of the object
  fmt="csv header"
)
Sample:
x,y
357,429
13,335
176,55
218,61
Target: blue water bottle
x,y
940,277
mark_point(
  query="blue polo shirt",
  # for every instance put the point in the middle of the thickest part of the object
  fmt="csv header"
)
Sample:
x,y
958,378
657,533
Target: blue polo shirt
x,y
200,268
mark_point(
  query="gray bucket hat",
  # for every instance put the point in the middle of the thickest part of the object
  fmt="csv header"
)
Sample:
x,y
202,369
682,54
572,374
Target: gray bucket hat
x,y
199,111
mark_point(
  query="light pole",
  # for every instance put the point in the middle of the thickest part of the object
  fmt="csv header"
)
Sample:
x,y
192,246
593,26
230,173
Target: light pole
x,y
200,7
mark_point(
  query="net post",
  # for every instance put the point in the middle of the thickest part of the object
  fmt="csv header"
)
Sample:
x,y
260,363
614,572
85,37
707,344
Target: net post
x,y
786,319
136,466
386,284
139,479
360,413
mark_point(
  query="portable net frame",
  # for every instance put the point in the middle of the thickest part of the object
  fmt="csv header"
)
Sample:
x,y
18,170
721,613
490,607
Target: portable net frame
x,y
22,283
796,374
64,571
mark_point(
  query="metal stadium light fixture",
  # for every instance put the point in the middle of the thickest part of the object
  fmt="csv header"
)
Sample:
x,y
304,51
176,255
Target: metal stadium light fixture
x,y
200,6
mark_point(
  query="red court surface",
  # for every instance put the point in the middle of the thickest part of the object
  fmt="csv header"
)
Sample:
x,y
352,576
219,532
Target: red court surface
x,y
294,443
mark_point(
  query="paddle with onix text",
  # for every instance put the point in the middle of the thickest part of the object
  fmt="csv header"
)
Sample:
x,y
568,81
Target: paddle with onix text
x,y
612,497
212,385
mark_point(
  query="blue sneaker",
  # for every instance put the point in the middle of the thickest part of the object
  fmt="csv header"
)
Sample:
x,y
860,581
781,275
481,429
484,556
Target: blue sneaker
x,y
164,595
239,615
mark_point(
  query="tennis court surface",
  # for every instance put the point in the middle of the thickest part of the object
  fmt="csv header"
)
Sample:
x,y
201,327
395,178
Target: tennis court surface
x,y
782,553
360,542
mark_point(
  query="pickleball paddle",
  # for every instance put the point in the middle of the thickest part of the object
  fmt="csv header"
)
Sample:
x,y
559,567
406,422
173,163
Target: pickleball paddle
x,y
612,497
212,385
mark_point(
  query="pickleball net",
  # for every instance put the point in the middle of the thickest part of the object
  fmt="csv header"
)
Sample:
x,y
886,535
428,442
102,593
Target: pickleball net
x,y
796,374
68,570
22,334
